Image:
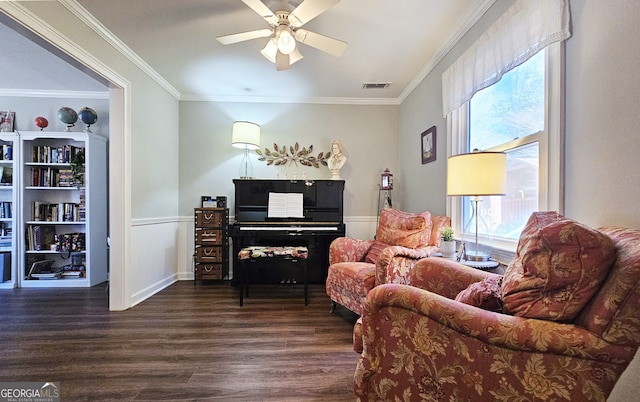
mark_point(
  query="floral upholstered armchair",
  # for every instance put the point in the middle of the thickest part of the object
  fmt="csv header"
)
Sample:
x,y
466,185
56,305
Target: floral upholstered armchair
x,y
562,324
402,239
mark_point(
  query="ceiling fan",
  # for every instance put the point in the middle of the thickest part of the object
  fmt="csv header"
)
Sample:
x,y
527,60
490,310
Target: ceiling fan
x,y
285,31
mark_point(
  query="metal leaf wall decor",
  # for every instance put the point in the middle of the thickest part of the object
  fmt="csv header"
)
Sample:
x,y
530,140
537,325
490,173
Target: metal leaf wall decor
x,y
293,154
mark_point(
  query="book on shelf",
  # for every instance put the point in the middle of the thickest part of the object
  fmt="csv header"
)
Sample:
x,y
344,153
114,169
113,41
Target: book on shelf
x,y
40,237
49,154
56,212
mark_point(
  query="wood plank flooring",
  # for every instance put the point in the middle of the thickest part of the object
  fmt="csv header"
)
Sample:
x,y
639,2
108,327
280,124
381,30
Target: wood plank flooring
x,y
184,343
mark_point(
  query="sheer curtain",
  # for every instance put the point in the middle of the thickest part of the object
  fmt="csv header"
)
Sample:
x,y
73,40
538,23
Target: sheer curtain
x,y
527,27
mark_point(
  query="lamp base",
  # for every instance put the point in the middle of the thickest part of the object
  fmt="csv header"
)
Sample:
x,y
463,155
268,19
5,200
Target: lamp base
x,y
476,256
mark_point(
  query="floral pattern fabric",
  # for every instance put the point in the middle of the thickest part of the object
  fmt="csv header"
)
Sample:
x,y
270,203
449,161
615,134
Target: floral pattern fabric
x,y
559,265
420,344
350,277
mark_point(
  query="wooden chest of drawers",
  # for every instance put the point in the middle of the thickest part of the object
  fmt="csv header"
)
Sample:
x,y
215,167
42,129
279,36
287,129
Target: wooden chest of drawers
x,y
211,235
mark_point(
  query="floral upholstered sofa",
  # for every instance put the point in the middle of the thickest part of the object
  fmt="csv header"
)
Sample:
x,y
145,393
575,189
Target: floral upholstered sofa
x,y
562,324
402,239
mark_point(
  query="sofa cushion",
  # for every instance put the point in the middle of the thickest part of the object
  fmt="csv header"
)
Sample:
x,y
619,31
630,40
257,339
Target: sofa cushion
x,y
558,267
485,294
405,229
374,252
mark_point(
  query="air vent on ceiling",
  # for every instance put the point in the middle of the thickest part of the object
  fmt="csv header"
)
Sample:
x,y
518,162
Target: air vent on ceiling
x,y
376,85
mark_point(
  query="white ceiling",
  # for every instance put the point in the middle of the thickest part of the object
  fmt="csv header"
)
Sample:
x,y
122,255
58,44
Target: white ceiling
x,y
388,41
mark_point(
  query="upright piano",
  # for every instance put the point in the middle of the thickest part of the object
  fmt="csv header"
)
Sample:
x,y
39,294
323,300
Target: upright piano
x,y
321,223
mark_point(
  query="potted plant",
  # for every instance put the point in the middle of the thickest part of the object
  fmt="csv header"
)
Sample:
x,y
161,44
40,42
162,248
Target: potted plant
x,y
447,243
77,169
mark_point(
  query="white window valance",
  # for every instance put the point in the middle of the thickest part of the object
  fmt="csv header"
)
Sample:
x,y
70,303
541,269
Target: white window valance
x,y
526,28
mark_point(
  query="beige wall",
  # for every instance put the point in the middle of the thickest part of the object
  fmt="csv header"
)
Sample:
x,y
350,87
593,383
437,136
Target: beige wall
x,y
208,162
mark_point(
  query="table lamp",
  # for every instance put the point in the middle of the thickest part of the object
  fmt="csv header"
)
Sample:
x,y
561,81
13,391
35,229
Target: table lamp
x,y
245,135
477,174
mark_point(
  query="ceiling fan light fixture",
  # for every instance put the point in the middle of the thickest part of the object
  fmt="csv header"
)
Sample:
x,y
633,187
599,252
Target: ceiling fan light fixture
x,y
295,56
270,50
286,42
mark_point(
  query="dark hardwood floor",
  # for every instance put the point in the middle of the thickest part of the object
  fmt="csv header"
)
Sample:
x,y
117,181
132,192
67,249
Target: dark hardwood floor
x,y
184,343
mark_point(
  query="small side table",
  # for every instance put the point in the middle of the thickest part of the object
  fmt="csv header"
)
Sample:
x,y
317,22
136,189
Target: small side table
x,y
483,265
258,255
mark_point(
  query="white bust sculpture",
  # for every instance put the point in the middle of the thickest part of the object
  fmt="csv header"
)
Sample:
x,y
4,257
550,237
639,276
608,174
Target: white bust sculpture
x,y
337,160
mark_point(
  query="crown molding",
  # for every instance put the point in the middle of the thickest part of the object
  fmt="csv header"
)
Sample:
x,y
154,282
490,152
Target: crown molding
x,y
444,50
294,100
40,93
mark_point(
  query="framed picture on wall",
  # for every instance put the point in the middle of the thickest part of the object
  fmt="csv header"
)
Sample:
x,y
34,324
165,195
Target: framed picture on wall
x,y
428,142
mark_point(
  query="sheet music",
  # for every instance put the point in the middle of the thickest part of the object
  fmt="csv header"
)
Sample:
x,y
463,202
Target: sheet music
x,y
285,205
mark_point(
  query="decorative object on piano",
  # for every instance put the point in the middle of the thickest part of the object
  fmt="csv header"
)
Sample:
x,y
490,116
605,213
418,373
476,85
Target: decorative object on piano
x,y
477,174
88,117
207,201
6,121
245,135
337,160
293,154
428,141
41,122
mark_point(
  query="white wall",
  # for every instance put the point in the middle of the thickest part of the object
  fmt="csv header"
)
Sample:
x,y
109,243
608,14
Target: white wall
x,y
144,147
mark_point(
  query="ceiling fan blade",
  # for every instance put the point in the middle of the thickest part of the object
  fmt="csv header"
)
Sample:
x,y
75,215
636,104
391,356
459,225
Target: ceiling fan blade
x,y
262,10
321,42
282,61
308,10
243,36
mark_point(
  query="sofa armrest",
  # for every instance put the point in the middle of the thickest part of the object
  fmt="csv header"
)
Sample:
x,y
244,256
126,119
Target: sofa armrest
x,y
490,328
395,263
444,276
344,249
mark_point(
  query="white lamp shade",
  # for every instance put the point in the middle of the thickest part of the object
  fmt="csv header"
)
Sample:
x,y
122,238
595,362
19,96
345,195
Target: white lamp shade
x,y
245,135
286,42
477,173
270,50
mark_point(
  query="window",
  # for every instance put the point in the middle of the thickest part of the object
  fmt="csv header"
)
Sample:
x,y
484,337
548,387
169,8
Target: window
x,y
505,93
519,115
509,116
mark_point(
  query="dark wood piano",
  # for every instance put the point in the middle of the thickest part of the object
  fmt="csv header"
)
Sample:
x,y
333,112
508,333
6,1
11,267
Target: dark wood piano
x,y
321,224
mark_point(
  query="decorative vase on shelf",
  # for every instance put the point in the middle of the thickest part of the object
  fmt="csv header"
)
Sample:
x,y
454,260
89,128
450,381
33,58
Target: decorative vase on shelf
x,y
68,116
88,117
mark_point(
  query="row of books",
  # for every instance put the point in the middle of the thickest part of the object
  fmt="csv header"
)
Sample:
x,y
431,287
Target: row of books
x,y
58,212
51,177
48,154
6,209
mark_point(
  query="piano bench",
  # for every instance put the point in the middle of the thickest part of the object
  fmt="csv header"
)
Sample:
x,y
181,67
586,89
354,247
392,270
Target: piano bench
x,y
259,255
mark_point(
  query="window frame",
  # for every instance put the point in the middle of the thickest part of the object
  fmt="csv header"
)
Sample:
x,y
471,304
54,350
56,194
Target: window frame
x,y
551,150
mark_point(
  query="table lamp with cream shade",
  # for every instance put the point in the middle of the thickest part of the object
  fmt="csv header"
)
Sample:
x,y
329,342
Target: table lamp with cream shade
x,y
245,135
477,174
